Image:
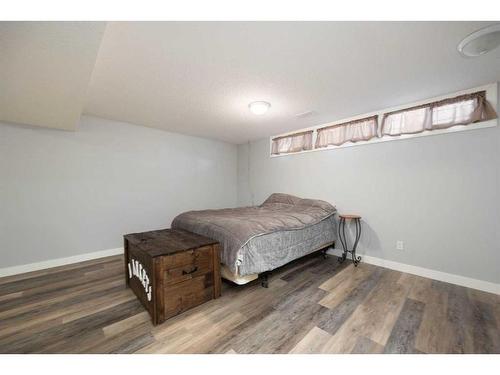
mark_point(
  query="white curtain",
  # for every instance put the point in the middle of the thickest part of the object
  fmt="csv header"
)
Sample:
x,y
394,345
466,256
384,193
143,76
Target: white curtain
x,y
292,143
460,113
408,122
353,131
461,110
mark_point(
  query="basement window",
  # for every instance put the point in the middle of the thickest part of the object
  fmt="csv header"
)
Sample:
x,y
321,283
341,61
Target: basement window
x,y
467,110
292,143
352,131
461,110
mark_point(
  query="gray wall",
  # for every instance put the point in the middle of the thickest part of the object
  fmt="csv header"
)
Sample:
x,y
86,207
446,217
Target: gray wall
x,y
67,193
439,194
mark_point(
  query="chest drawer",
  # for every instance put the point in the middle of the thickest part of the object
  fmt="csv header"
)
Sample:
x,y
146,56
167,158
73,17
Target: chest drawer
x,y
198,266
201,255
187,294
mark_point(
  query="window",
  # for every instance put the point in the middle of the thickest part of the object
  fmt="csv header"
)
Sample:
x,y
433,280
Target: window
x,y
469,109
460,110
292,143
352,131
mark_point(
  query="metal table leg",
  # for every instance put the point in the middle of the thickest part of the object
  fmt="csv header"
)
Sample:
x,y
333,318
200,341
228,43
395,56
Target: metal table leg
x,y
355,259
343,240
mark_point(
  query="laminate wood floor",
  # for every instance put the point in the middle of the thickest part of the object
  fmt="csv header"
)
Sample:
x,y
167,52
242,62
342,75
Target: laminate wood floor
x,y
312,305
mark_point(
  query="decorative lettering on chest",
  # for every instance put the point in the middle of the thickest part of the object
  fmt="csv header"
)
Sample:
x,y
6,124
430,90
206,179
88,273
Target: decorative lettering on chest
x,y
136,269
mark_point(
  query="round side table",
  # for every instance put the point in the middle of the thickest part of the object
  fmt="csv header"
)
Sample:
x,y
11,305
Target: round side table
x,y
343,240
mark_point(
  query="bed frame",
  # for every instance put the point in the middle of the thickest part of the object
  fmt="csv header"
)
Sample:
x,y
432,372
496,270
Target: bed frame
x,y
263,276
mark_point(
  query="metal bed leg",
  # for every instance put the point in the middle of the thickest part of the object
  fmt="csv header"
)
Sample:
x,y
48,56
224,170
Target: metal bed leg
x,y
263,279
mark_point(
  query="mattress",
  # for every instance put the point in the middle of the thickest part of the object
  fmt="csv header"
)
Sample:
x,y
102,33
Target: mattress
x,y
261,238
273,250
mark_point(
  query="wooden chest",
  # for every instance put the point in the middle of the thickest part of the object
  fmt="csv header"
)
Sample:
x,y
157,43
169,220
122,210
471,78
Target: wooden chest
x,y
171,270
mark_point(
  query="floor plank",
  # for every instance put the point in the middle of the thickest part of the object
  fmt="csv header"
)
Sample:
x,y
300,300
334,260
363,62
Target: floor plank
x,y
366,346
335,318
403,335
315,339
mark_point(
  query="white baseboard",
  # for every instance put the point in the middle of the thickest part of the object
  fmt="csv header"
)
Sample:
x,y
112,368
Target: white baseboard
x,y
468,282
9,271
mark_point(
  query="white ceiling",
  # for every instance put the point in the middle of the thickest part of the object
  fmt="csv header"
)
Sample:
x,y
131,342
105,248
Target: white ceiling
x,y
198,77
45,68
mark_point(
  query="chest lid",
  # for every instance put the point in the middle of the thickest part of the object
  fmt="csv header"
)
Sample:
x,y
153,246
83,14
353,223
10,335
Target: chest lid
x,y
167,241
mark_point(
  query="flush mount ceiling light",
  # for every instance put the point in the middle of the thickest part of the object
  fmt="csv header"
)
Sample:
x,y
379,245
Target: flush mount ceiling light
x,y
480,42
259,108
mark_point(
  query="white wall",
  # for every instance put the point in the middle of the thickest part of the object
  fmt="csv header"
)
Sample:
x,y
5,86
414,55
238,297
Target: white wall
x,y
68,193
439,194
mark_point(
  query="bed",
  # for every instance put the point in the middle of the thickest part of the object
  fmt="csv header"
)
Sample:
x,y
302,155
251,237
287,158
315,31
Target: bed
x,y
258,239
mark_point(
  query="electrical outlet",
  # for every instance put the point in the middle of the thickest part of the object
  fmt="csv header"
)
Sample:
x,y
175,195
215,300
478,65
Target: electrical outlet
x,y
400,245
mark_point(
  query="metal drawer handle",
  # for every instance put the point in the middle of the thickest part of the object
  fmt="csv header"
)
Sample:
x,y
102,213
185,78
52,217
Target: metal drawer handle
x,y
189,272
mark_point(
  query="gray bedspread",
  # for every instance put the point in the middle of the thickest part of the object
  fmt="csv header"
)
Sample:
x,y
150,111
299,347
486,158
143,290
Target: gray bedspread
x,y
235,227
